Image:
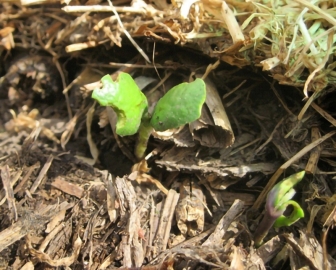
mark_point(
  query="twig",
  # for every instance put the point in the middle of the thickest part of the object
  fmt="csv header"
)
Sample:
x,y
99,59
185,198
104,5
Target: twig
x,y
270,138
7,185
112,8
80,46
315,153
276,93
232,24
37,2
43,172
99,8
324,114
165,224
216,237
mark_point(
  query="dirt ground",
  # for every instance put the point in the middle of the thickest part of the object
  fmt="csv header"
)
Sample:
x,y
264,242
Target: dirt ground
x,y
72,194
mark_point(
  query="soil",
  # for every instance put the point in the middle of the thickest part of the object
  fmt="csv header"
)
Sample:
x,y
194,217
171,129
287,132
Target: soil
x,y
73,196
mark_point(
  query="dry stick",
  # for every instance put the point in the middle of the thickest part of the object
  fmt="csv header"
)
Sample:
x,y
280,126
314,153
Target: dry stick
x,y
6,181
114,65
26,177
270,63
210,68
165,224
326,264
233,90
126,67
196,239
284,105
324,114
51,235
270,138
13,180
111,199
99,8
92,146
37,2
43,172
240,148
162,81
57,18
275,177
67,99
112,8
81,46
215,239
232,24
329,222
312,217
70,126
315,153
151,226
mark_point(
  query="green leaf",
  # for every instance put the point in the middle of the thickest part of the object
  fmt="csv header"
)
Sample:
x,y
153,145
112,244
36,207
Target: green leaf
x,y
126,99
180,105
296,214
283,191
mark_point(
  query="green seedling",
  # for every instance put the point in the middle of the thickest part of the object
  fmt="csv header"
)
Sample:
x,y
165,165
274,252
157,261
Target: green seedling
x,y
179,106
278,199
126,100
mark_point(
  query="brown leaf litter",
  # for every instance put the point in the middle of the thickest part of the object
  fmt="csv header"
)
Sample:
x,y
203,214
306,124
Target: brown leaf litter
x,y
72,194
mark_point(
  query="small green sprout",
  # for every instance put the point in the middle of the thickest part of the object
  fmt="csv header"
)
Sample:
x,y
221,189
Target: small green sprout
x,y
126,99
179,106
278,199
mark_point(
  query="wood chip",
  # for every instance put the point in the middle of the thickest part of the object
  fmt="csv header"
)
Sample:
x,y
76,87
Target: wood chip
x,y
69,188
41,175
6,181
308,248
165,224
215,239
269,249
190,209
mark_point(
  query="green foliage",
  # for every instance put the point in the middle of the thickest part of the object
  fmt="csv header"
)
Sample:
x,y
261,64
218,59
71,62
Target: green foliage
x,y
278,199
126,99
180,105
296,214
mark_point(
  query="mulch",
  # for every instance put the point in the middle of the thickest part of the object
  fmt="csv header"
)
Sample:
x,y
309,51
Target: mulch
x,y
72,193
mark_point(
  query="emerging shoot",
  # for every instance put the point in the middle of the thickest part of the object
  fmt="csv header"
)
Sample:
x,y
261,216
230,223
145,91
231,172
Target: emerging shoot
x,y
278,199
179,106
126,99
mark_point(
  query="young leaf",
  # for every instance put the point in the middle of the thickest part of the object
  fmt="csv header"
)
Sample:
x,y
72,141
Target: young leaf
x,y
281,193
296,214
126,99
180,105
278,199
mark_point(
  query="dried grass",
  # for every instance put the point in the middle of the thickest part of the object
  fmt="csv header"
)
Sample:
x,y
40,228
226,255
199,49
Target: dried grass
x,y
293,40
